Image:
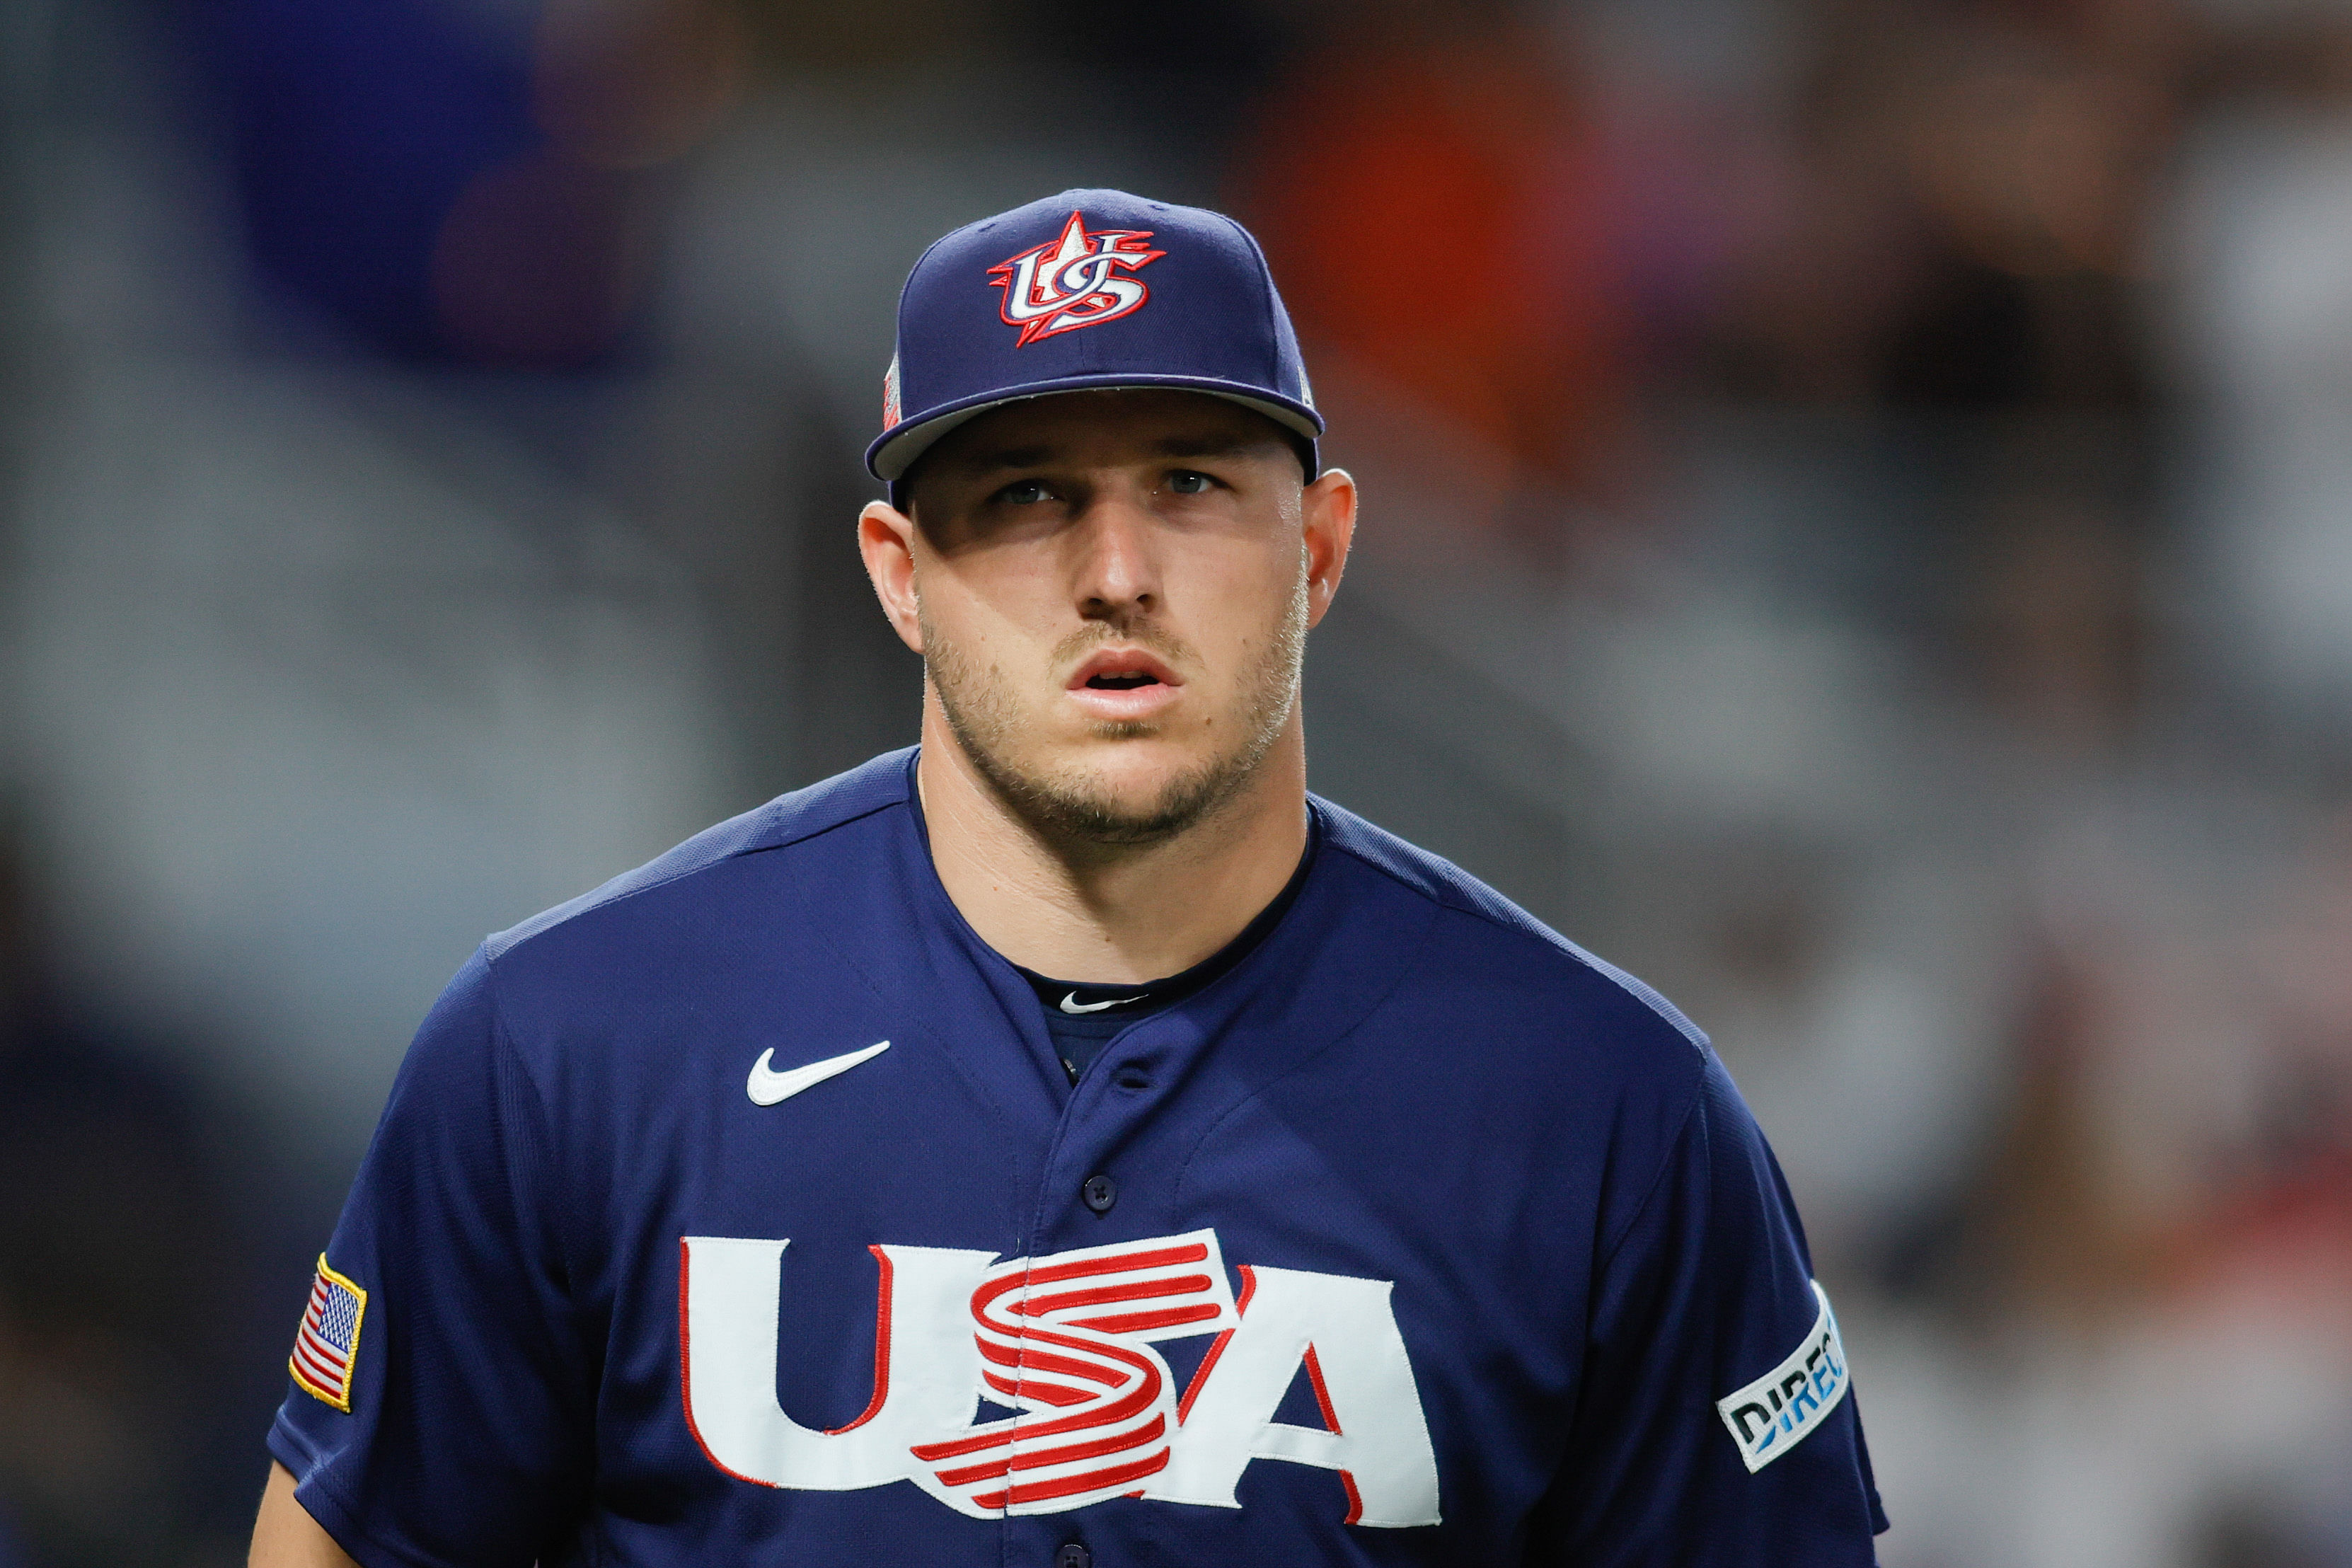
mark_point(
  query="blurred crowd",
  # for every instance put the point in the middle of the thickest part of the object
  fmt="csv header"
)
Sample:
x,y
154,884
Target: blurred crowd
x,y
1856,533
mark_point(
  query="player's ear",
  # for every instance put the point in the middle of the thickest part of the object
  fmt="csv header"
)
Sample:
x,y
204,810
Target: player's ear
x,y
886,537
1329,519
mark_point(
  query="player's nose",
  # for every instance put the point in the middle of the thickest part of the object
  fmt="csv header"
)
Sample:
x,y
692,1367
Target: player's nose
x,y
1116,568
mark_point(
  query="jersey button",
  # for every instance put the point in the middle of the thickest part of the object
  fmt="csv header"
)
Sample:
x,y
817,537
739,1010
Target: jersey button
x,y
1073,1555
1101,1192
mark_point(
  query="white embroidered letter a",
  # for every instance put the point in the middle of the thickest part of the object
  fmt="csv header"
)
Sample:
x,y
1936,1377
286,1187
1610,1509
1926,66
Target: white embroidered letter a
x,y
1345,1333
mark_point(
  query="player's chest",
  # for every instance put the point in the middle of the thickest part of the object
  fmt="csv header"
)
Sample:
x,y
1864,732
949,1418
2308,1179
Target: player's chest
x,y
1176,1286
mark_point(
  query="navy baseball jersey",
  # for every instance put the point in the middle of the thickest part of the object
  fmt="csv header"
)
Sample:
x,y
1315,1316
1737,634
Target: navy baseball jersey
x,y
741,1211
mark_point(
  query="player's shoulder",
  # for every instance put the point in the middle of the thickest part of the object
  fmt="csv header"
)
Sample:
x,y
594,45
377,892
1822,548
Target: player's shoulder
x,y
698,868
1479,943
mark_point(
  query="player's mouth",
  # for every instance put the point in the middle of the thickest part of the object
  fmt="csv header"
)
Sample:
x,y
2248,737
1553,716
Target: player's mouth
x,y
1123,684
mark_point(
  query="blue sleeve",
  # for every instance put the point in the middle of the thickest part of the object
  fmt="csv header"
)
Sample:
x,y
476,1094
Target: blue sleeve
x,y
470,1386
1717,1422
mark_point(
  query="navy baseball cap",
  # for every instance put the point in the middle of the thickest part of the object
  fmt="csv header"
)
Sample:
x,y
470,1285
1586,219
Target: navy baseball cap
x,y
1087,289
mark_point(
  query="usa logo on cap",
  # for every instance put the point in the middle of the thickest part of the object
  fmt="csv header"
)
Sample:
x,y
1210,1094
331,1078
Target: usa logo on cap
x,y
1067,275
1075,286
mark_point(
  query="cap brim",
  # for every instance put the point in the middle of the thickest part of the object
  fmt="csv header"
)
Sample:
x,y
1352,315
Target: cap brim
x,y
896,449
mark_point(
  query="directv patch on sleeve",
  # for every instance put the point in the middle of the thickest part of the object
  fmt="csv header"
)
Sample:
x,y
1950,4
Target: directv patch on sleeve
x,y
1773,1414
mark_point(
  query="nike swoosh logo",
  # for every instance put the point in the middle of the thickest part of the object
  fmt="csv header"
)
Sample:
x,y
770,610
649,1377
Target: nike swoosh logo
x,y
767,1085
1071,1003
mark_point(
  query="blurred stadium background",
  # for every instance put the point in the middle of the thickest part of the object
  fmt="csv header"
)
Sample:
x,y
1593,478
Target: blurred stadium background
x,y
1859,532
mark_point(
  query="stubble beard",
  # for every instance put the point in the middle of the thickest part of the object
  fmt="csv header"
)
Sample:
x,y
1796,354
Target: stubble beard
x,y
1075,806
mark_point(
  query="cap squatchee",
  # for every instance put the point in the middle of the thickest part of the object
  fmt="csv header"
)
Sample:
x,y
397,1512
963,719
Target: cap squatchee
x,y
1088,290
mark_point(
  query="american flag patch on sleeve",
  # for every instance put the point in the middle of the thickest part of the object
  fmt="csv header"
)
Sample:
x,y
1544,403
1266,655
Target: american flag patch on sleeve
x,y
328,1344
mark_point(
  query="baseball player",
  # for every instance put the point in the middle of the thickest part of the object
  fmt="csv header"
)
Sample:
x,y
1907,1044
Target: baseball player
x,y
1068,1142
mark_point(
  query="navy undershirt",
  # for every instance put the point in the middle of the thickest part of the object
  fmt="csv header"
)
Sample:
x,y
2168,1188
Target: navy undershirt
x,y
1105,1010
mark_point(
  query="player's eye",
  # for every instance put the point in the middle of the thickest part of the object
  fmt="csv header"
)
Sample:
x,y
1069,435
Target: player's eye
x,y
1024,492
1190,482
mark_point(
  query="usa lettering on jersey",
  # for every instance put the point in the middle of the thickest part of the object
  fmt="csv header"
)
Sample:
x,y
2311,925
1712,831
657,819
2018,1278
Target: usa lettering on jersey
x,y
1067,1342
1774,1413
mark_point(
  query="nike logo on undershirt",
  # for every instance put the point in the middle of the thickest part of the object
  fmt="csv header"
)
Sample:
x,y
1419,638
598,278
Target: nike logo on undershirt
x,y
1071,1003
767,1087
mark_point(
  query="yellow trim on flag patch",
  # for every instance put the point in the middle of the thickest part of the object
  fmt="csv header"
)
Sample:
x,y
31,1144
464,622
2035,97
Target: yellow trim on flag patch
x,y
327,1346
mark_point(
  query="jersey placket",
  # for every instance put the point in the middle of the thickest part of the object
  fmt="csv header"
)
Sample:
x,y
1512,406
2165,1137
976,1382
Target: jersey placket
x,y
1098,1403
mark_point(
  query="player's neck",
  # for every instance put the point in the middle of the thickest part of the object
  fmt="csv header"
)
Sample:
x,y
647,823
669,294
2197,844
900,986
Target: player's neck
x,y
1143,913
